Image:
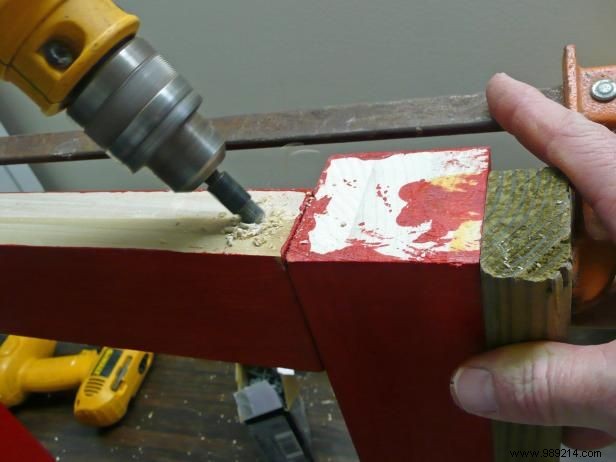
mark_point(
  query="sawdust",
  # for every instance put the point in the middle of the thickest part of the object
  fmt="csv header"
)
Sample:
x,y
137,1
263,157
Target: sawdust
x,y
260,234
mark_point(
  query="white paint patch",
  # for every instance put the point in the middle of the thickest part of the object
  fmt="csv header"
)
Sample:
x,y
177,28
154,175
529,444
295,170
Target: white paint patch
x,y
364,201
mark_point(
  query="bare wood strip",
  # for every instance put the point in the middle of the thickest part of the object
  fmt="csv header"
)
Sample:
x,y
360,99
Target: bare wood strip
x,y
526,274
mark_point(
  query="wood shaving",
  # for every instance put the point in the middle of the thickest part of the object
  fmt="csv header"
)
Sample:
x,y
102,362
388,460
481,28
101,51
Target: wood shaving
x,y
261,233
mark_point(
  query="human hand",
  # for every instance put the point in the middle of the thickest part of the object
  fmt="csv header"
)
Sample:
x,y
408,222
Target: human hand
x,y
549,383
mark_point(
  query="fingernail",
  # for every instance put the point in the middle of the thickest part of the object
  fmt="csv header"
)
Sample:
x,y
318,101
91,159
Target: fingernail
x,y
473,390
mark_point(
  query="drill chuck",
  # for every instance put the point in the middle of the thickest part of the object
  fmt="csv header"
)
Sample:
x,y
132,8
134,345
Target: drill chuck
x,y
144,113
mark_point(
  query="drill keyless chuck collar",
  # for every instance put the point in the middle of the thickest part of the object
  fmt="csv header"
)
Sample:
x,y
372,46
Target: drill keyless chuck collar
x,y
140,109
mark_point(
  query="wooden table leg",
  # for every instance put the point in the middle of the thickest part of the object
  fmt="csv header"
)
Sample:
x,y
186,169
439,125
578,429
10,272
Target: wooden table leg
x,y
386,266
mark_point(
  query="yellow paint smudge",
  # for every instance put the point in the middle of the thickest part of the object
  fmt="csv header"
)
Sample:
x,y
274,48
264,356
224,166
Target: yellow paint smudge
x,y
467,236
454,183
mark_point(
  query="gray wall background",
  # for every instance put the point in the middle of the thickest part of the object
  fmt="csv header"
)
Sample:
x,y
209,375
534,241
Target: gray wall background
x,y
286,54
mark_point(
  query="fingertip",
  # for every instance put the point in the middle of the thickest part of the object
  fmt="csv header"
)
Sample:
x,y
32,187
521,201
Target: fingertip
x,y
503,93
500,81
499,76
495,82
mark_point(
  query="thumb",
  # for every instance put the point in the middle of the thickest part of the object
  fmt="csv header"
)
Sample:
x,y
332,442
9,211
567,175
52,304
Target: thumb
x,y
542,383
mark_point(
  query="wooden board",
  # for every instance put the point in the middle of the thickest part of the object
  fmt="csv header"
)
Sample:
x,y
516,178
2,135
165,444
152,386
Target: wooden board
x,y
526,268
386,265
154,271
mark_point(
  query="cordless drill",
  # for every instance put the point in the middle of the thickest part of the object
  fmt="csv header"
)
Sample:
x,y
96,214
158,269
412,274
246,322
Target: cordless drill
x,y
83,55
106,380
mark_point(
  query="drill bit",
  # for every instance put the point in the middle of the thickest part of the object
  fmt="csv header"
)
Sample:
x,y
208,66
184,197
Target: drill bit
x,y
235,198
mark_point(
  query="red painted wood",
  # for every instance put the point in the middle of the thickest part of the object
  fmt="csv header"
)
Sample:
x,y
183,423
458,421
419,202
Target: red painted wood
x,y
224,307
17,444
392,329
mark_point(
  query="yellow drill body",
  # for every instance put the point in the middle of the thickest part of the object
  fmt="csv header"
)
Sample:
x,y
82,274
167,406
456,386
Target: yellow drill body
x,y
89,30
107,380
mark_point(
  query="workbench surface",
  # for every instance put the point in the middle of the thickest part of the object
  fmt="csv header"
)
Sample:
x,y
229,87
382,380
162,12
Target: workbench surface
x,y
184,412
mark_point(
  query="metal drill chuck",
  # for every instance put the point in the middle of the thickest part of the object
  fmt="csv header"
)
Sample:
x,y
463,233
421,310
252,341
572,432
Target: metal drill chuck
x,y
144,113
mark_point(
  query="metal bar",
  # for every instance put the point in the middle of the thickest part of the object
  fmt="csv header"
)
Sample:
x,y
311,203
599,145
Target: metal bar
x,y
437,116
17,178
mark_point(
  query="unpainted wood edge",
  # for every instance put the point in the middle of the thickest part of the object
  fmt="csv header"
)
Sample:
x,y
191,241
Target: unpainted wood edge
x,y
518,309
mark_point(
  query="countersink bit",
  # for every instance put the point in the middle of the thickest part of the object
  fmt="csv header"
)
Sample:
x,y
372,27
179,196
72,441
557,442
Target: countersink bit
x,y
235,198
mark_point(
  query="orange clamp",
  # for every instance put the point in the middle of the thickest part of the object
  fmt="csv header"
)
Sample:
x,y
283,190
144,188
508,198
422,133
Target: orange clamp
x,y
595,261
578,89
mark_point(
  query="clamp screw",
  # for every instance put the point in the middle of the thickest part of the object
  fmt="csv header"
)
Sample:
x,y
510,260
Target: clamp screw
x,y
58,54
604,90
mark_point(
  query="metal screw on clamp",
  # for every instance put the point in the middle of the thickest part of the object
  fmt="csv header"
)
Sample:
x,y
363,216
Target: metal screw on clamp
x,y
603,90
